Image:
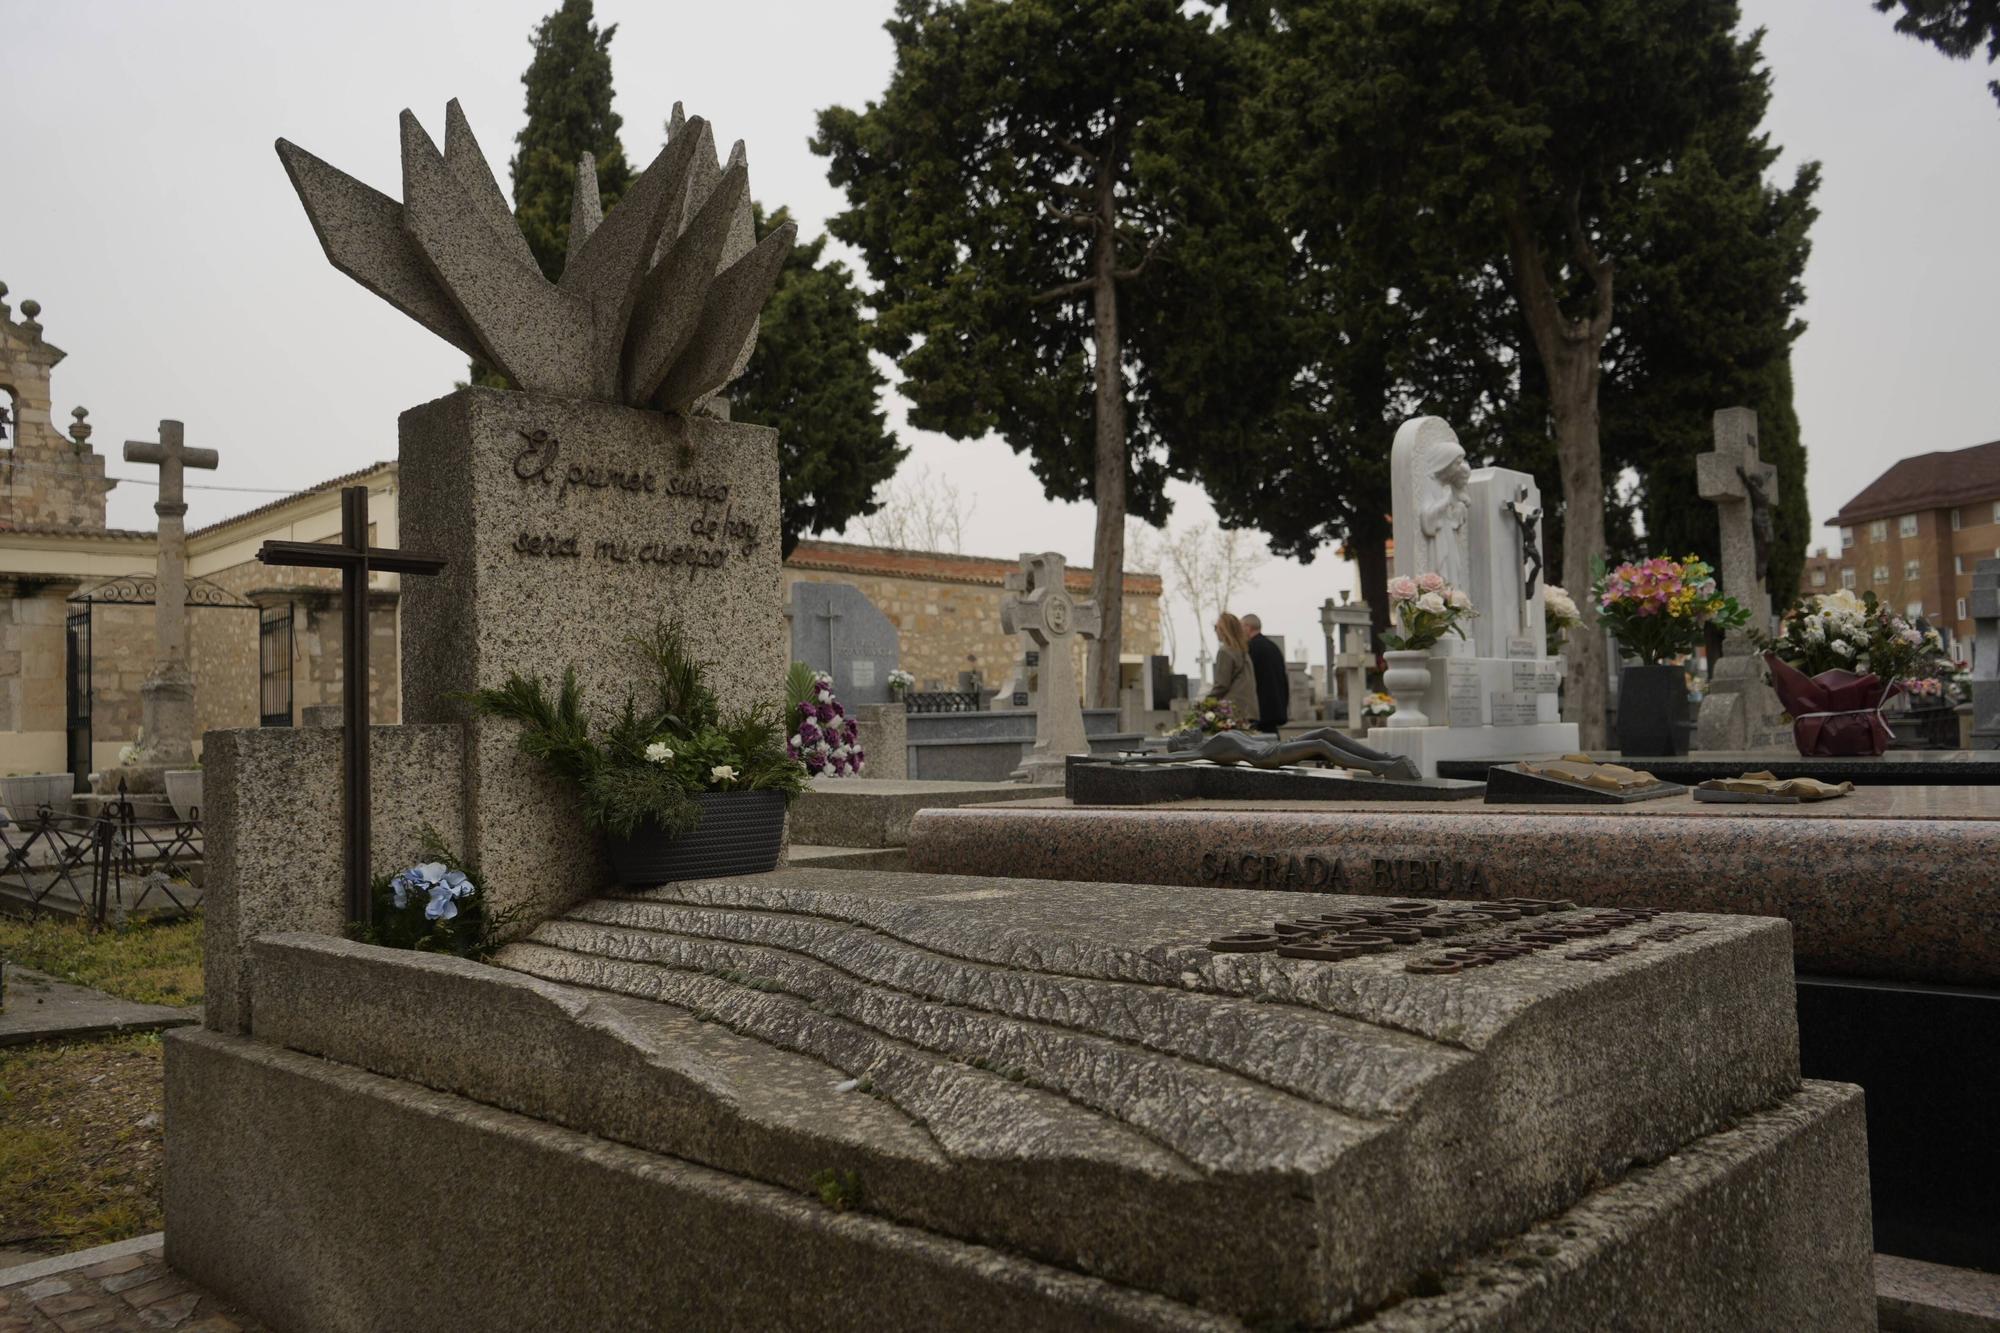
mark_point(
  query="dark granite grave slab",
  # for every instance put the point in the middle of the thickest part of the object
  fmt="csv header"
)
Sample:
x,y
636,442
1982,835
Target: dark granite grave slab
x,y
1506,784
1898,768
1157,784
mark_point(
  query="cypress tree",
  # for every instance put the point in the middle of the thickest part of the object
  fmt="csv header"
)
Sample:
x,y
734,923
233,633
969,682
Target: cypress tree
x,y
569,114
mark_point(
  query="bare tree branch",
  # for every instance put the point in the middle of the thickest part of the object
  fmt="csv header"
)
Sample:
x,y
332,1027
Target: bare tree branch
x,y
1072,146
1067,289
1127,274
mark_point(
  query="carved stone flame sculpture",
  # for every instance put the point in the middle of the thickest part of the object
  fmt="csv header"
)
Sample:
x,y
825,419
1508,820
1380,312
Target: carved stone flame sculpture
x,y
657,304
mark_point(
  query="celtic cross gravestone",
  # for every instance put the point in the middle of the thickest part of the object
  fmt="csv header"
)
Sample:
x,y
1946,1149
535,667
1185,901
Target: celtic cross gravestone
x,y
1046,613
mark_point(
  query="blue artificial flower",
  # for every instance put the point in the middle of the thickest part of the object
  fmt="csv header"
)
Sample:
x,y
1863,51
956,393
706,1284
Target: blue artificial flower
x,y
445,894
445,888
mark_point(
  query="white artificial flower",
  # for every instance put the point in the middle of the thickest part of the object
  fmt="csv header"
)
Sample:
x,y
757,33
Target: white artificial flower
x,y
1460,600
658,753
1430,601
722,773
1842,647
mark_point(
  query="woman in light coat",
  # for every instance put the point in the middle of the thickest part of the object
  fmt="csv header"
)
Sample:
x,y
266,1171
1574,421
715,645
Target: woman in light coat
x,y
1235,684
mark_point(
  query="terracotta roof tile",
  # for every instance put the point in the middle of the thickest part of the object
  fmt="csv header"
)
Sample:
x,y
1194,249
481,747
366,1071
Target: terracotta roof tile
x,y
938,566
1928,481
343,480
50,530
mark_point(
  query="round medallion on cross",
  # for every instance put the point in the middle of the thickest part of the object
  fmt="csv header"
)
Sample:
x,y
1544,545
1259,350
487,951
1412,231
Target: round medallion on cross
x,y
1055,613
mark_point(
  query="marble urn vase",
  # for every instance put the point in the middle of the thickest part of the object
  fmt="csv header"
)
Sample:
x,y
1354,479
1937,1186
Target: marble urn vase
x,y
1407,678
741,833
1652,711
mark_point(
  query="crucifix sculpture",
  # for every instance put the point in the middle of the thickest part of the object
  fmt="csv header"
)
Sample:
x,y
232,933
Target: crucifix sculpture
x,y
1526,512
1738,482
355,559
167,697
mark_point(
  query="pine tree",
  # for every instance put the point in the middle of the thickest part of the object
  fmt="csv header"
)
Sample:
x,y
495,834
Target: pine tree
x,y
811,377
1955,27
1042,196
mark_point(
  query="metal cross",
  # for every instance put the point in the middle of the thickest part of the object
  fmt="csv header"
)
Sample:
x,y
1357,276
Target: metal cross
x,y
354,558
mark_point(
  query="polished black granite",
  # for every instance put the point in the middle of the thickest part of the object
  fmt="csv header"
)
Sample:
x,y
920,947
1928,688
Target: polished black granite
x,y
1155,784
1898,768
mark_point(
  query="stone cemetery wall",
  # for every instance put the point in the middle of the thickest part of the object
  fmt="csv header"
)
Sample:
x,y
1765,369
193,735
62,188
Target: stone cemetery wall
x,y
947,607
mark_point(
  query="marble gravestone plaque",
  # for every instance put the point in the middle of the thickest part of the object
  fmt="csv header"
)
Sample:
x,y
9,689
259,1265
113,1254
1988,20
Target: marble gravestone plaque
x,y
836,629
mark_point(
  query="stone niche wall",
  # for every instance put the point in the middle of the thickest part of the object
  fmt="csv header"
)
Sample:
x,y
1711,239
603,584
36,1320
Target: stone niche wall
x,y
943,624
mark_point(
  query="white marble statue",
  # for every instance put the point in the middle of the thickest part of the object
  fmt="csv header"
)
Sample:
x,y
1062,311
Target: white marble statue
x,y
1428,473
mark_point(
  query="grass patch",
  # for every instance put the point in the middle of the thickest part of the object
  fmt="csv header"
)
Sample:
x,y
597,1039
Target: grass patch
x,y
153,964
80,1143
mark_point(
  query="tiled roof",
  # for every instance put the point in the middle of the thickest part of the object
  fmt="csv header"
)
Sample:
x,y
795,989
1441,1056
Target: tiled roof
x,y
1928,481
344,479
50,530
938,566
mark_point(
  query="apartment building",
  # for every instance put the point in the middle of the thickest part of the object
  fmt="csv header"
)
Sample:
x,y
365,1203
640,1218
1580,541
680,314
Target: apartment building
x,y
1914,534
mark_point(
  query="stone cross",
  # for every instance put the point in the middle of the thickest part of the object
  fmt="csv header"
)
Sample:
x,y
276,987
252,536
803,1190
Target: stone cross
x,y
167,697
354,558
1737,480
1045,612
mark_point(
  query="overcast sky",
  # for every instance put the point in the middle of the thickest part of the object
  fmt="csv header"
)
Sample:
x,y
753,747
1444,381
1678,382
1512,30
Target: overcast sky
x,y
144,208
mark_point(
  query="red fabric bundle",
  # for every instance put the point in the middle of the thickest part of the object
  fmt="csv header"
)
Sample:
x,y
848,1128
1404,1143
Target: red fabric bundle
x,y
1835,712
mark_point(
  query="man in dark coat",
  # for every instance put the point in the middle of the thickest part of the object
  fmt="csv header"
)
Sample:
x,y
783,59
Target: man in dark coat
x,y
1267,664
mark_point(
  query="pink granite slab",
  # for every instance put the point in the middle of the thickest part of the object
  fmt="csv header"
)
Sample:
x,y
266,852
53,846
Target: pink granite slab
x,y
1893,883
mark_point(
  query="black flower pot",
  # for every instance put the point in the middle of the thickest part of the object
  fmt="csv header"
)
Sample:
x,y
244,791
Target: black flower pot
x,y
740,833
1652,711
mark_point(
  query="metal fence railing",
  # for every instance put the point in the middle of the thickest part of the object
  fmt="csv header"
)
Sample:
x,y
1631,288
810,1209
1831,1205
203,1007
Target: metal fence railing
x,y
99,867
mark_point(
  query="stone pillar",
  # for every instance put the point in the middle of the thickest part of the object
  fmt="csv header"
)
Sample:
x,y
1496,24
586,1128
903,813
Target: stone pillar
x,y
884,730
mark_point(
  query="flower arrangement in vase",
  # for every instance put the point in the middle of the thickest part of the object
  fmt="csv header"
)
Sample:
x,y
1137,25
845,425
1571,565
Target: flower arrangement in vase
x,y
901,683
677,788
1836,659
1424,609
824,738
1209,716
1559,617
1378,705
1659,610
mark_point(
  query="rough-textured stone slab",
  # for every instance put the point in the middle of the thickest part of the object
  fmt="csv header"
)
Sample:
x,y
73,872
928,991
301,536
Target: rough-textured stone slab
x,y
1892,884
274,836
571,526
321,1196
1897,768
305,1162
1225,1125
1760,1228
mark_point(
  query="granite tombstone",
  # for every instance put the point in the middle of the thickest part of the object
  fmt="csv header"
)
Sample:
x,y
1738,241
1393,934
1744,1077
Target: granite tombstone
x,y
836,629
1740,711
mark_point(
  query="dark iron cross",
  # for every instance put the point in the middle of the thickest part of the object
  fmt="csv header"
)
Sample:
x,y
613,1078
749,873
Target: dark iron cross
x,y
354,558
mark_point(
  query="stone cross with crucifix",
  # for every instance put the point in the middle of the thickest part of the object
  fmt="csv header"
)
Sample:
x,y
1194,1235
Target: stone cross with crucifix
x,y
1739,711
167,697
1044,611
354,558
1744,488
